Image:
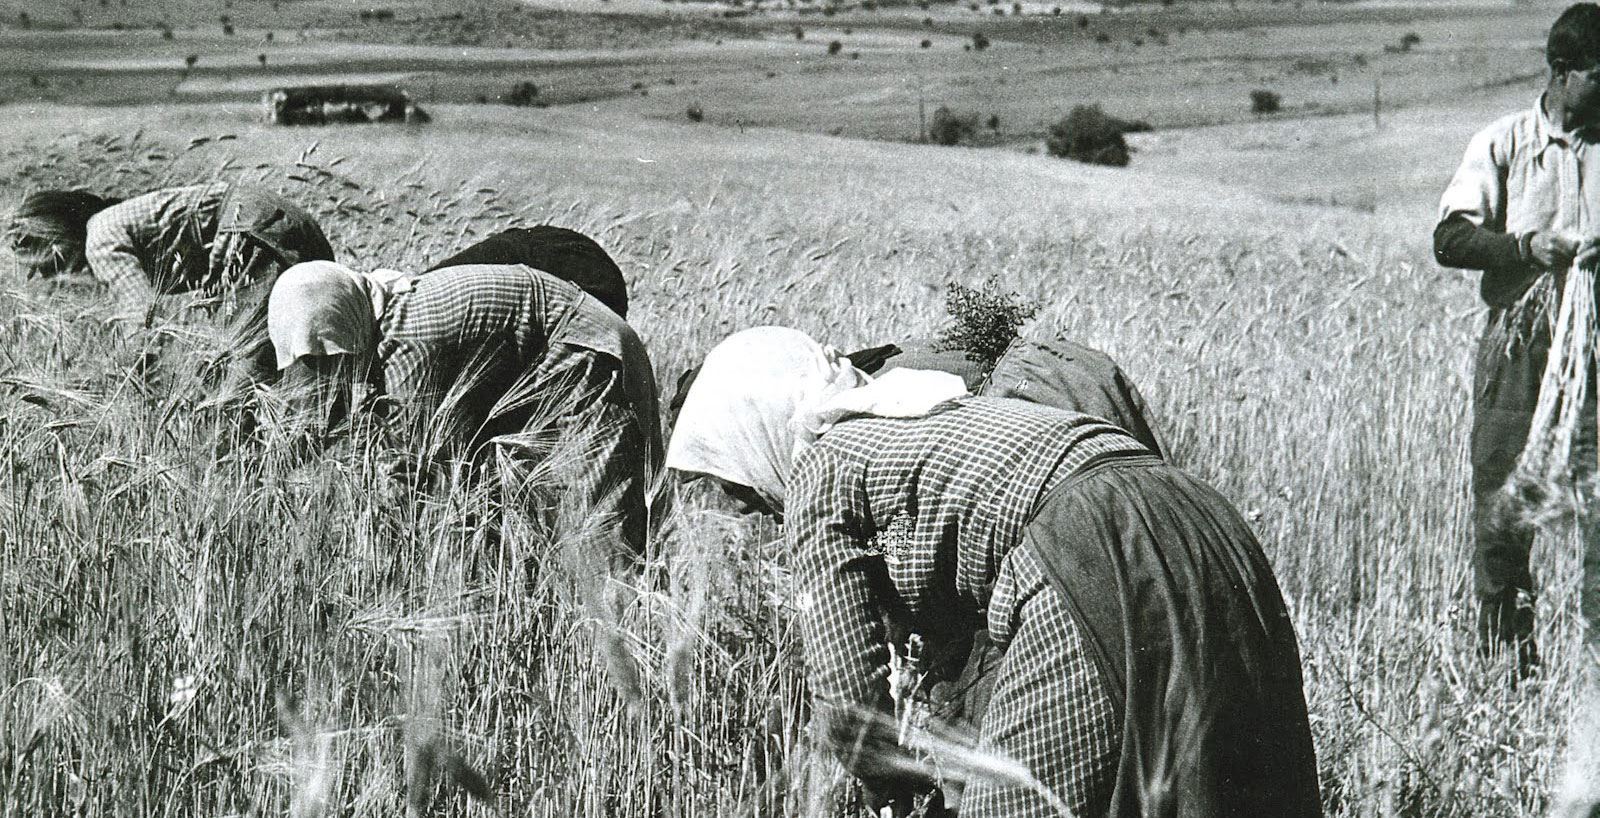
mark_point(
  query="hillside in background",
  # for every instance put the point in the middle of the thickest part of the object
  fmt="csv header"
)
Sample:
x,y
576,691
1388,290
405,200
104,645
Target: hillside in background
x,y
194,636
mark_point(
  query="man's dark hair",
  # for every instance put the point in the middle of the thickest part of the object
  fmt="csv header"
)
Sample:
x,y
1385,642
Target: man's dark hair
x,y
1574,43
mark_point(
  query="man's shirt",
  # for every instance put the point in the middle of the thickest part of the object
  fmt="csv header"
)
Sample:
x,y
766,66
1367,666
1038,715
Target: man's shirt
x,y
1519,175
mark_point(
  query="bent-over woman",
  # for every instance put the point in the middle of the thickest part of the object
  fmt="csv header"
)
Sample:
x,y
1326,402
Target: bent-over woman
x,y
476,352
221,238
1141,661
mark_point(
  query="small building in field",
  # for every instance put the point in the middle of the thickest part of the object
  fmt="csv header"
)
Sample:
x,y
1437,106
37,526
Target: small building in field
x,y
331,104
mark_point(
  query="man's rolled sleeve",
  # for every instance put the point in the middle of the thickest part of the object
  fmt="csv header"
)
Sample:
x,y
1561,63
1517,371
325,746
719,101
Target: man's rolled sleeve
x,y
1477,191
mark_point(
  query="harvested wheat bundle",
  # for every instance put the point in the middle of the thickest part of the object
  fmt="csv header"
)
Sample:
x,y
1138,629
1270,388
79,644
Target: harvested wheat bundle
x,y
1546,467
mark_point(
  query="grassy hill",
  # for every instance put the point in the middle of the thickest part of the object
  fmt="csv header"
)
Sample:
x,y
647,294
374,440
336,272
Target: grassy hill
x,y
189,637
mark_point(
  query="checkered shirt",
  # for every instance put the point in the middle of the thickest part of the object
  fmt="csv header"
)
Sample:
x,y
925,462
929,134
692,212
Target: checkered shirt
x,y
155,244
461,318
460,339
911,519
1049,709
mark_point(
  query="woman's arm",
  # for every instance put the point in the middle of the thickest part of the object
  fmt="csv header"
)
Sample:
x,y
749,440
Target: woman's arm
x,y
838,580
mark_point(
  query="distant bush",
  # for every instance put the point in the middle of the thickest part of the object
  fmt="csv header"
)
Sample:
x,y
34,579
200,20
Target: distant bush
x,y
946,127
377,15
993,122
1083,21
1016,8
1102,37
855,55
695,113
1263,101
1409,40
927,22
227,29
979,41
166,33
523,93
799,33
262,58
1088,134
835,47
927,44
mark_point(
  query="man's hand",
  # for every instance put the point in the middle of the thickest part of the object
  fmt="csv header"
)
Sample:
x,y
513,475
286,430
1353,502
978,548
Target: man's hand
x,y
1554,250
1589,252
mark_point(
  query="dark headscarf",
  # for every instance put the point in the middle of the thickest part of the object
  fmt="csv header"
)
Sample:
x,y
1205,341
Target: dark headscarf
x,y
565,254
57,214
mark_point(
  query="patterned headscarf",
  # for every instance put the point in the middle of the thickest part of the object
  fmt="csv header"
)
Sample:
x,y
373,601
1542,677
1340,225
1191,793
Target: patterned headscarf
x,y
766,394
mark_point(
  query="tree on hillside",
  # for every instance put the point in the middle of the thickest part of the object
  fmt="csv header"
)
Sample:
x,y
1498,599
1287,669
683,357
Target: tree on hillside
x,y
1088,134
1263,101
949,128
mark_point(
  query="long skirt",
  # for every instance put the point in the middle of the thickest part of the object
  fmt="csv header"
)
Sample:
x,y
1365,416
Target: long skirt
x,y
1156,673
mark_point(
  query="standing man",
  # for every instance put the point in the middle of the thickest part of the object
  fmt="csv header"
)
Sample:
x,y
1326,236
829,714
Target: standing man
x,y
1524,205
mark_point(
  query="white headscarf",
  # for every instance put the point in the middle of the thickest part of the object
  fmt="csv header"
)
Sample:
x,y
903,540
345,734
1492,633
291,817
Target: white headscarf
x,y
325,308
765,394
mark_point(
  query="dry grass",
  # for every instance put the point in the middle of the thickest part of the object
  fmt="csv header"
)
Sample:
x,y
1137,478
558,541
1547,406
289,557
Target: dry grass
x,y
192,638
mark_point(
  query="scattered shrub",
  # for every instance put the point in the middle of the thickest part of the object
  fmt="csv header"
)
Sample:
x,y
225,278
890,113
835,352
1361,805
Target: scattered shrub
x,y
927,22
979,41
855,55
927,44
523,93
190,61
695,113
262,58
993,122
1016,8
1409,40
835,47
376,15
1102,38
1088,134
799,33
227,29
166,33
946,127
1263,101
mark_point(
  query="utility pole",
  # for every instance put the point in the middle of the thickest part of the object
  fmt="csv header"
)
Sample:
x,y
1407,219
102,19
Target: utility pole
x,y
1377,100
922,113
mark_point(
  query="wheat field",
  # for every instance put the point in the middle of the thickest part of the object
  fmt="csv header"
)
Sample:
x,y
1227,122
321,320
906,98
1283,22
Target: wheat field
x,y
191,637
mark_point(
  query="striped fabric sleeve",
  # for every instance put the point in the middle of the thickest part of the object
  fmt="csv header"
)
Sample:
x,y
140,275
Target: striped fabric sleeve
x,y
836,572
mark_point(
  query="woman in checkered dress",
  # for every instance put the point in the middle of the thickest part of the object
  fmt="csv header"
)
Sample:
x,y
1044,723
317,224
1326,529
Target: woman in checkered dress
x,y
1124,639
221,238
474,356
